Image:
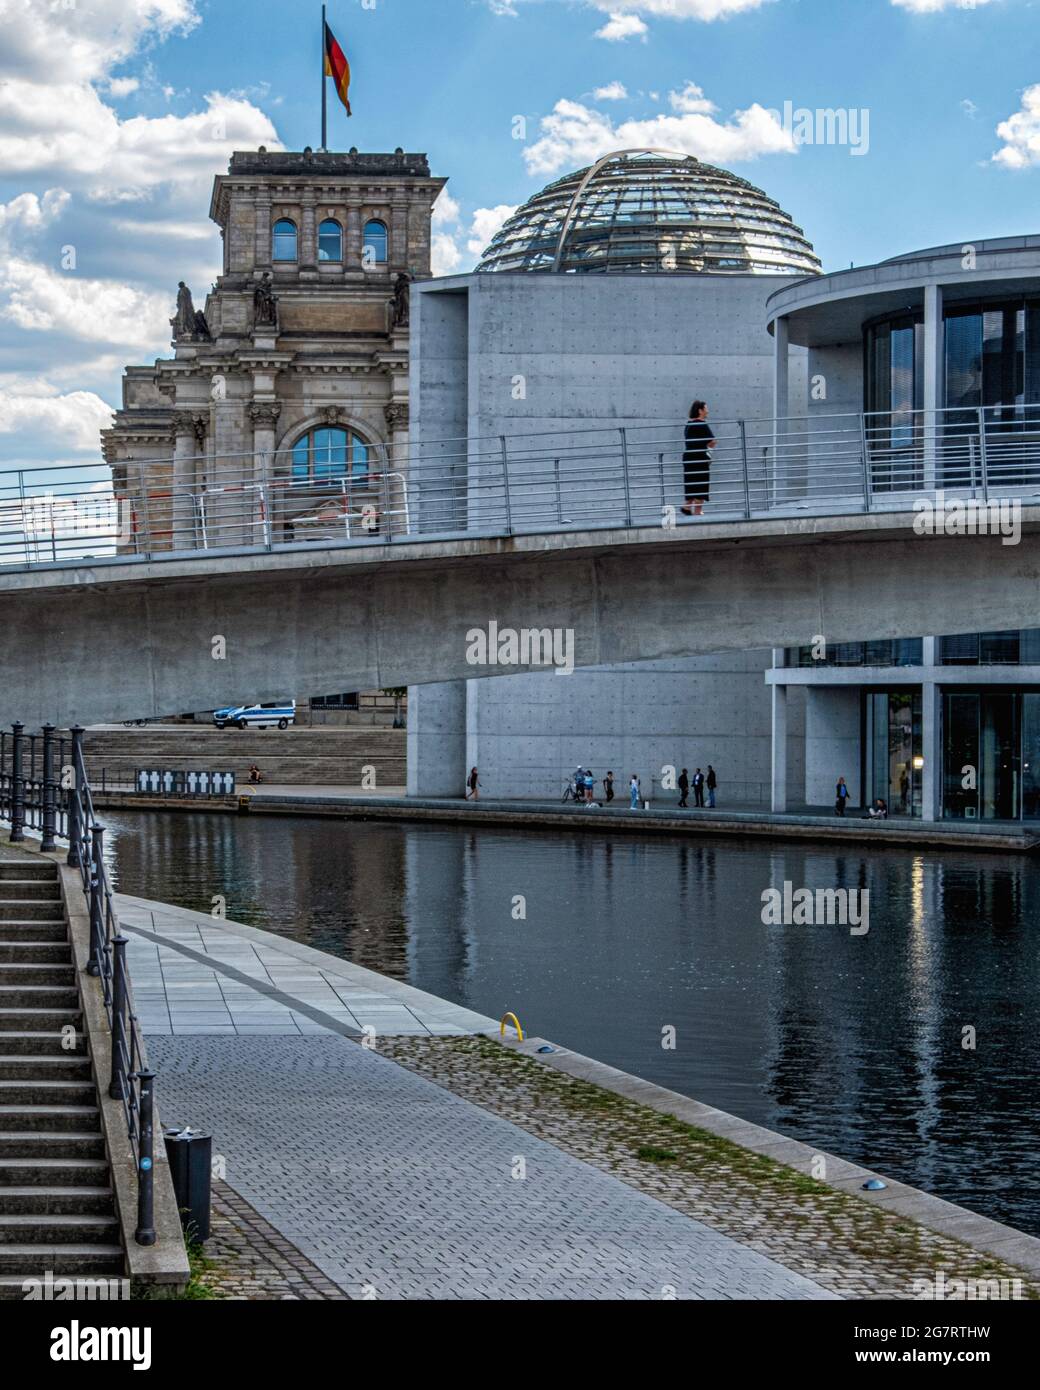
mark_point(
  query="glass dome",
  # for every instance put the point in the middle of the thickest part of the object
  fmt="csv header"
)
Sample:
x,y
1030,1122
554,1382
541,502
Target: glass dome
x,y
647,212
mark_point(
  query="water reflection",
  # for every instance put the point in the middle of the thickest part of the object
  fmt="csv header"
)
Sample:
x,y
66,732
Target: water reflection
x,y
853,1043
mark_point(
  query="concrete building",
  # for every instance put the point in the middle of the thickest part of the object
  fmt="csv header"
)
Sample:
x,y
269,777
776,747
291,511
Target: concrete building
x,y
942,349
610,301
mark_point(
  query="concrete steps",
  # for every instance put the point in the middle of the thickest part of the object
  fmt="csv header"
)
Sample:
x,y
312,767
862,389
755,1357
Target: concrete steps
x,y
322,756
57,1210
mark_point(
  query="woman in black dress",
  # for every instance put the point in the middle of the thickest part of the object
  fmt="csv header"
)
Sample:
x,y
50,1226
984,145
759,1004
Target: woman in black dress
x,y
697,460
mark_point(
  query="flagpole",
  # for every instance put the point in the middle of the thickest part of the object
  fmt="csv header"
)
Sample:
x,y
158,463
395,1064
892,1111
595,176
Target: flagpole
x,y
324,86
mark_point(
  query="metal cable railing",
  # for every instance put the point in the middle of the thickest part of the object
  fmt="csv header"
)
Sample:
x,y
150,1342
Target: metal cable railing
x,y
51,794
568,480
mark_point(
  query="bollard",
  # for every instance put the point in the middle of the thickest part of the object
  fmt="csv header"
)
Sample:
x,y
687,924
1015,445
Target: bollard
x,y
145,1233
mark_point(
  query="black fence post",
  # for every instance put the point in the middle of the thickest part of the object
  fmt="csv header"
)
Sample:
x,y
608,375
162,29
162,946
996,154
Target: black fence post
x,y
75,803
117,1084
145,1233
47,843
97,906
17,785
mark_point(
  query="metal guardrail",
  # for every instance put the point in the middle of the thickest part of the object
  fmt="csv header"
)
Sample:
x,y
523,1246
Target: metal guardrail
x,y
52,795
514,484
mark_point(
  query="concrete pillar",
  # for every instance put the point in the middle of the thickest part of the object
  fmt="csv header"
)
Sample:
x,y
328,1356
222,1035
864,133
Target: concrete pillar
x,y
264,415
779,797
781,408
437,739
308,248
931,749
832,743
934,379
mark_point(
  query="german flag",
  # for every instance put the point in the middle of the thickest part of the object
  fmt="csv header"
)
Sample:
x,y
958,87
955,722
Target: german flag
x,y
337,67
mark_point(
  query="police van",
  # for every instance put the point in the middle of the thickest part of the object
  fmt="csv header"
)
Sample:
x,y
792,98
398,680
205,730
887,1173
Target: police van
x,y
276,714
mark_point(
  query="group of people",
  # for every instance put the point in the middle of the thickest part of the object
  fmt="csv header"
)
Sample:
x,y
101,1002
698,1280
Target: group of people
x,y
700,783
877,810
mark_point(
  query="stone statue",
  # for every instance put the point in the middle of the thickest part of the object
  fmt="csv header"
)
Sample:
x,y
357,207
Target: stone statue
x,y
183,322
265,306
399,303
202,327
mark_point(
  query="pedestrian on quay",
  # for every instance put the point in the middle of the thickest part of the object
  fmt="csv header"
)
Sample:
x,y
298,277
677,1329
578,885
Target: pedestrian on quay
x,y
590,783
698,788
711,782
697,460
473,783
608,787
684,788
633,792
255,775
841,796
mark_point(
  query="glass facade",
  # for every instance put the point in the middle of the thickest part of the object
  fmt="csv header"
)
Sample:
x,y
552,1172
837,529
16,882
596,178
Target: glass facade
x,y
905,651
992,358
1011,648
985,752
893,760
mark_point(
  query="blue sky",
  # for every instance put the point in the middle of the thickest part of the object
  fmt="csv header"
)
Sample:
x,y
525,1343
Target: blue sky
x,y
114,116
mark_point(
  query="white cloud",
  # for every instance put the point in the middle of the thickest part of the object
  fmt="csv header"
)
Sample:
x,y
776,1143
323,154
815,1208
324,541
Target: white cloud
x,y
691,100
27,212
445,210
444,254
677,9
39,408
613,91
166,227
123,86
1021,133
574,135
622,26
486,222
84,41
933,6
39,299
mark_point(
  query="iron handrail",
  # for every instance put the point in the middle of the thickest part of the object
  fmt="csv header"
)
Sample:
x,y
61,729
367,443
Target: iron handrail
x,y
54,797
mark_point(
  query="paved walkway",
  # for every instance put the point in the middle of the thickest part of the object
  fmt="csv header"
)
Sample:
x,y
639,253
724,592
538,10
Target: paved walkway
x,y
395,1188
389,1184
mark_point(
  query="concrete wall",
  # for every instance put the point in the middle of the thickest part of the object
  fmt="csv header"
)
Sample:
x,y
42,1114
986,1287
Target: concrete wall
x,y
832,744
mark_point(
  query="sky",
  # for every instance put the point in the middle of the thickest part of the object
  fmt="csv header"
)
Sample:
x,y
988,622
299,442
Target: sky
x,y
116,114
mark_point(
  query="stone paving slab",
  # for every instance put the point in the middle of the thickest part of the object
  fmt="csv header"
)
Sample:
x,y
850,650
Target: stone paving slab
x,y
397,1189
181,963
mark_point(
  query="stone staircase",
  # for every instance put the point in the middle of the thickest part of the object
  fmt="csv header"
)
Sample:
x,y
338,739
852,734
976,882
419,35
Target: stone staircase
x,y
312,757
57,1208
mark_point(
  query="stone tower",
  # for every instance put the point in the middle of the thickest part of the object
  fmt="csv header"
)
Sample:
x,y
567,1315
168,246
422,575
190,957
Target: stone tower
x,y
287,397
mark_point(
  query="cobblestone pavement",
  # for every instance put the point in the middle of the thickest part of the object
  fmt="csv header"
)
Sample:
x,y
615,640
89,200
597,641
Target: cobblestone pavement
x,y
834,1239
397,1189
248,1259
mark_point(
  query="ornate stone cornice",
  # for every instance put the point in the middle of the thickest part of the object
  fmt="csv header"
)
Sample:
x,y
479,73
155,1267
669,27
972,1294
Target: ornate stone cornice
x,y
397,415
264,414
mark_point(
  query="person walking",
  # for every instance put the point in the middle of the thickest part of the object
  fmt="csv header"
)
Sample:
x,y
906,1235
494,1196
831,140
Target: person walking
x,y
590,783
711,782
633,792
684,788
841,796
698,788
697,460
473,783
608,787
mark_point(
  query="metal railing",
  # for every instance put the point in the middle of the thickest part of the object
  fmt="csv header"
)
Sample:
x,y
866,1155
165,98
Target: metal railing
x,y
44,787
602,477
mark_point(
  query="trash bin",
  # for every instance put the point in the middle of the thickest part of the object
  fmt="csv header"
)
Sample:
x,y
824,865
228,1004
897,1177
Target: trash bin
x,y
190,1155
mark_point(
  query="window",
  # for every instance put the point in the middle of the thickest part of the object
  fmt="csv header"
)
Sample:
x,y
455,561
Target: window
x,y
330,241
283,240
376,243
347,701
329,454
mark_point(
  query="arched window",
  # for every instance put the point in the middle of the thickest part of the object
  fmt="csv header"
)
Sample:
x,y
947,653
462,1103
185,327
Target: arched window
x,y
283,240
376,241
330,241
329,454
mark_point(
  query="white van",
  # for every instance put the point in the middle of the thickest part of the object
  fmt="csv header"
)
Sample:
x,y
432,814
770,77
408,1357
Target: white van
x,y
275,714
